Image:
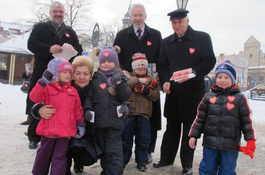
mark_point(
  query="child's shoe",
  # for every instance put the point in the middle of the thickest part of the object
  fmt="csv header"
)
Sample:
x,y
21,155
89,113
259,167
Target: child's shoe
x,y
141,167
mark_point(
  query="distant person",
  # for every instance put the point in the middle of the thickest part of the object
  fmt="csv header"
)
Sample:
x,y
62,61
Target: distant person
x,y
223,115
144,90
54,88
46,39
184,49
139,37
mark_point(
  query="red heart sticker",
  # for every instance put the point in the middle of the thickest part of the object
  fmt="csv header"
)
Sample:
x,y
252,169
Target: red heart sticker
x,y
231,98
149,43
106,54
103,85
67,35
213,100
230,105
192,50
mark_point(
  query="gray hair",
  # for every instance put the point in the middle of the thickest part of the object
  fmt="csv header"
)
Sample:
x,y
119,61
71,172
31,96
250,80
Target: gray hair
x,y
137,5
56,4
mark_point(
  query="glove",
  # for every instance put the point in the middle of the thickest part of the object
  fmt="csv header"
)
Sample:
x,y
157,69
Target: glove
x,y
249,149
124,110
88,115
48,77
153,84
141,89
80,132
117,75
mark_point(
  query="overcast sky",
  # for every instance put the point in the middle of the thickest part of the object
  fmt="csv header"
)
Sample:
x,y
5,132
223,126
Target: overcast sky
x,y
229,22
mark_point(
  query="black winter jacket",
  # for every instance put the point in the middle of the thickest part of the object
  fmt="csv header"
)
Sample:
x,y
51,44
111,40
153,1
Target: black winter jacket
x,y
222,116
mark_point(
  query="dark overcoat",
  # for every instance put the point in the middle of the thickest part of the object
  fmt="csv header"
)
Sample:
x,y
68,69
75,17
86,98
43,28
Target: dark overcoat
x,y
150,44
194,50
42,37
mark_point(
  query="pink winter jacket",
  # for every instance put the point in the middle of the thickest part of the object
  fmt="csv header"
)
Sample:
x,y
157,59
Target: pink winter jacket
x,y
66,101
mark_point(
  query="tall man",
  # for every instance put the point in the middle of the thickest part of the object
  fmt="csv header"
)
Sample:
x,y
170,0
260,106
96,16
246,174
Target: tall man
x,y
141,38
46,39
185,48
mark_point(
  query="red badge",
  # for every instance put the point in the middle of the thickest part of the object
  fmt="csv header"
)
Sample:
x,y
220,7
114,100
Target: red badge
x,y
149,43
230,105
106,54
192,50
103,85
213,100
231,98
67,35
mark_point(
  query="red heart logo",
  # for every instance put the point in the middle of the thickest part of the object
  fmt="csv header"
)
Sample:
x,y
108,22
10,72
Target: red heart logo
x,y
149,43
103,85
106,54
192,50
230,105
67,35
231,98
213,100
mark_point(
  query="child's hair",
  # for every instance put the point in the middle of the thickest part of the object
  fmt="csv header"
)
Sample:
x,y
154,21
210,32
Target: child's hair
x,y
228,68
108,54
83,61
139,60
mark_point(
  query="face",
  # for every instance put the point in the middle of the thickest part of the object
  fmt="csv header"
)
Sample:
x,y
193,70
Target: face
x,y
180,25
138,17
65,76
82,76
57,15
106,65
223,80
141,71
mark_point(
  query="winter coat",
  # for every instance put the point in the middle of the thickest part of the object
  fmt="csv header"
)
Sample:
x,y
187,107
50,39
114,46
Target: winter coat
x,y
194,50
141,104
42,37
66,101
99,100
222,116
149,45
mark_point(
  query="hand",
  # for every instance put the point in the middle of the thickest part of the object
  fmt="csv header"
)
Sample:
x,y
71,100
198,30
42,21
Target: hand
x,y
47,111
153,84
166,87
56,49
117,75
48,77
141,89
192,142
124,110
88,115
143,80
249,149
80,132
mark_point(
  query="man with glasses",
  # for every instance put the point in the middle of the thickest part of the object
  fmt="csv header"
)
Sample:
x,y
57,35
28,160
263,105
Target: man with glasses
x,y
46,39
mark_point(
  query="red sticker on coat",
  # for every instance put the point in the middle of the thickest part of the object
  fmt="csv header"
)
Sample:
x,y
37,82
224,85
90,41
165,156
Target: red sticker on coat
x,y
192,50
213,100
230,105
103,85
67,35
149,43
231,98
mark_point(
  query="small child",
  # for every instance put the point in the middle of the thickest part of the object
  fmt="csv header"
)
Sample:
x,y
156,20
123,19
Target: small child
x,y
107,124
144,91
222,115
54,88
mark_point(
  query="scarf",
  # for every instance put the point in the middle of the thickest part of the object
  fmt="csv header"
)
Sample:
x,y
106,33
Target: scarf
x,y
107,74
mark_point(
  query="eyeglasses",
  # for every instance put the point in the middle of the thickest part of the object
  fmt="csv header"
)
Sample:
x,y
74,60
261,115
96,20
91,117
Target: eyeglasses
x,y
56,11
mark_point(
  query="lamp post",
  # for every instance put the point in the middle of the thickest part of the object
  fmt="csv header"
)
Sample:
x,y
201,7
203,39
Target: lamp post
x,y
182,4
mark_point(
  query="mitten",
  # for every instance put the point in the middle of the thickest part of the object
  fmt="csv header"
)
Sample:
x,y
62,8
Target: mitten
x,y
124,110
88,115
80,132
117,75
48,76
249,149
141,89
153,84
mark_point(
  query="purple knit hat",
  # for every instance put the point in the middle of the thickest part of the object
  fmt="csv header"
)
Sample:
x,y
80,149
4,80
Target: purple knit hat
x,y
57,65
108,54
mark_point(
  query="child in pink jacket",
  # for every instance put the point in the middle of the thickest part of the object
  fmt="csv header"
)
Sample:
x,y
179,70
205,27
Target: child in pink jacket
x,y
54,88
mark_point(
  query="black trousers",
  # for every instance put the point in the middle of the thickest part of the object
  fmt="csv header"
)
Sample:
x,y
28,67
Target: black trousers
x,y
171,142
32,136
80,156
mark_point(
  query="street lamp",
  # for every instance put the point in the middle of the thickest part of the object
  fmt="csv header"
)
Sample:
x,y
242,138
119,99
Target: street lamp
x,y
182,4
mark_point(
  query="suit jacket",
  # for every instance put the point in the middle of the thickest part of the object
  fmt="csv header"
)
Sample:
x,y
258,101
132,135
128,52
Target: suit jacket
x,y
42,37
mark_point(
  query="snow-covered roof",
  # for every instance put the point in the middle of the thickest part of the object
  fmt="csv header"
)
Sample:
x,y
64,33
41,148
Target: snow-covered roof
x,y
16,45
11,25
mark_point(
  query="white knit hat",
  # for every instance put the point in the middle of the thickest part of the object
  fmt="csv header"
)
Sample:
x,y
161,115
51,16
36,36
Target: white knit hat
x,y
139,60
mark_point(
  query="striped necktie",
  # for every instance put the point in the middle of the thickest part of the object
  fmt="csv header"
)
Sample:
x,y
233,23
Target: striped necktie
x,y
139,34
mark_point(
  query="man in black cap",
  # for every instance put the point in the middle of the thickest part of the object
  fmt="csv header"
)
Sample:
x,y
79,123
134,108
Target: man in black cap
x,y
184,49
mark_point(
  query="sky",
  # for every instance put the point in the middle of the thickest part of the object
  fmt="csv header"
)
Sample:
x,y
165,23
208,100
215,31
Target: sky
x,y
229,22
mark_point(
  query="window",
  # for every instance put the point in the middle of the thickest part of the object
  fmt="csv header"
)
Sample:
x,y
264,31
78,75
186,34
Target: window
x,y
3,61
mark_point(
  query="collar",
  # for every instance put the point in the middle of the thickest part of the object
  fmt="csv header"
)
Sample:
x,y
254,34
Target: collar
x,y
188,34
142,28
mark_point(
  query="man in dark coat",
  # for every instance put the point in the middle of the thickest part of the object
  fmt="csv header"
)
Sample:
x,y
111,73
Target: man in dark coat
x,y
149,44
45,40
184,49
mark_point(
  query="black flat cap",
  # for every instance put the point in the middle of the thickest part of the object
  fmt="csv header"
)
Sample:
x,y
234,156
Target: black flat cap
x,y
178,14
